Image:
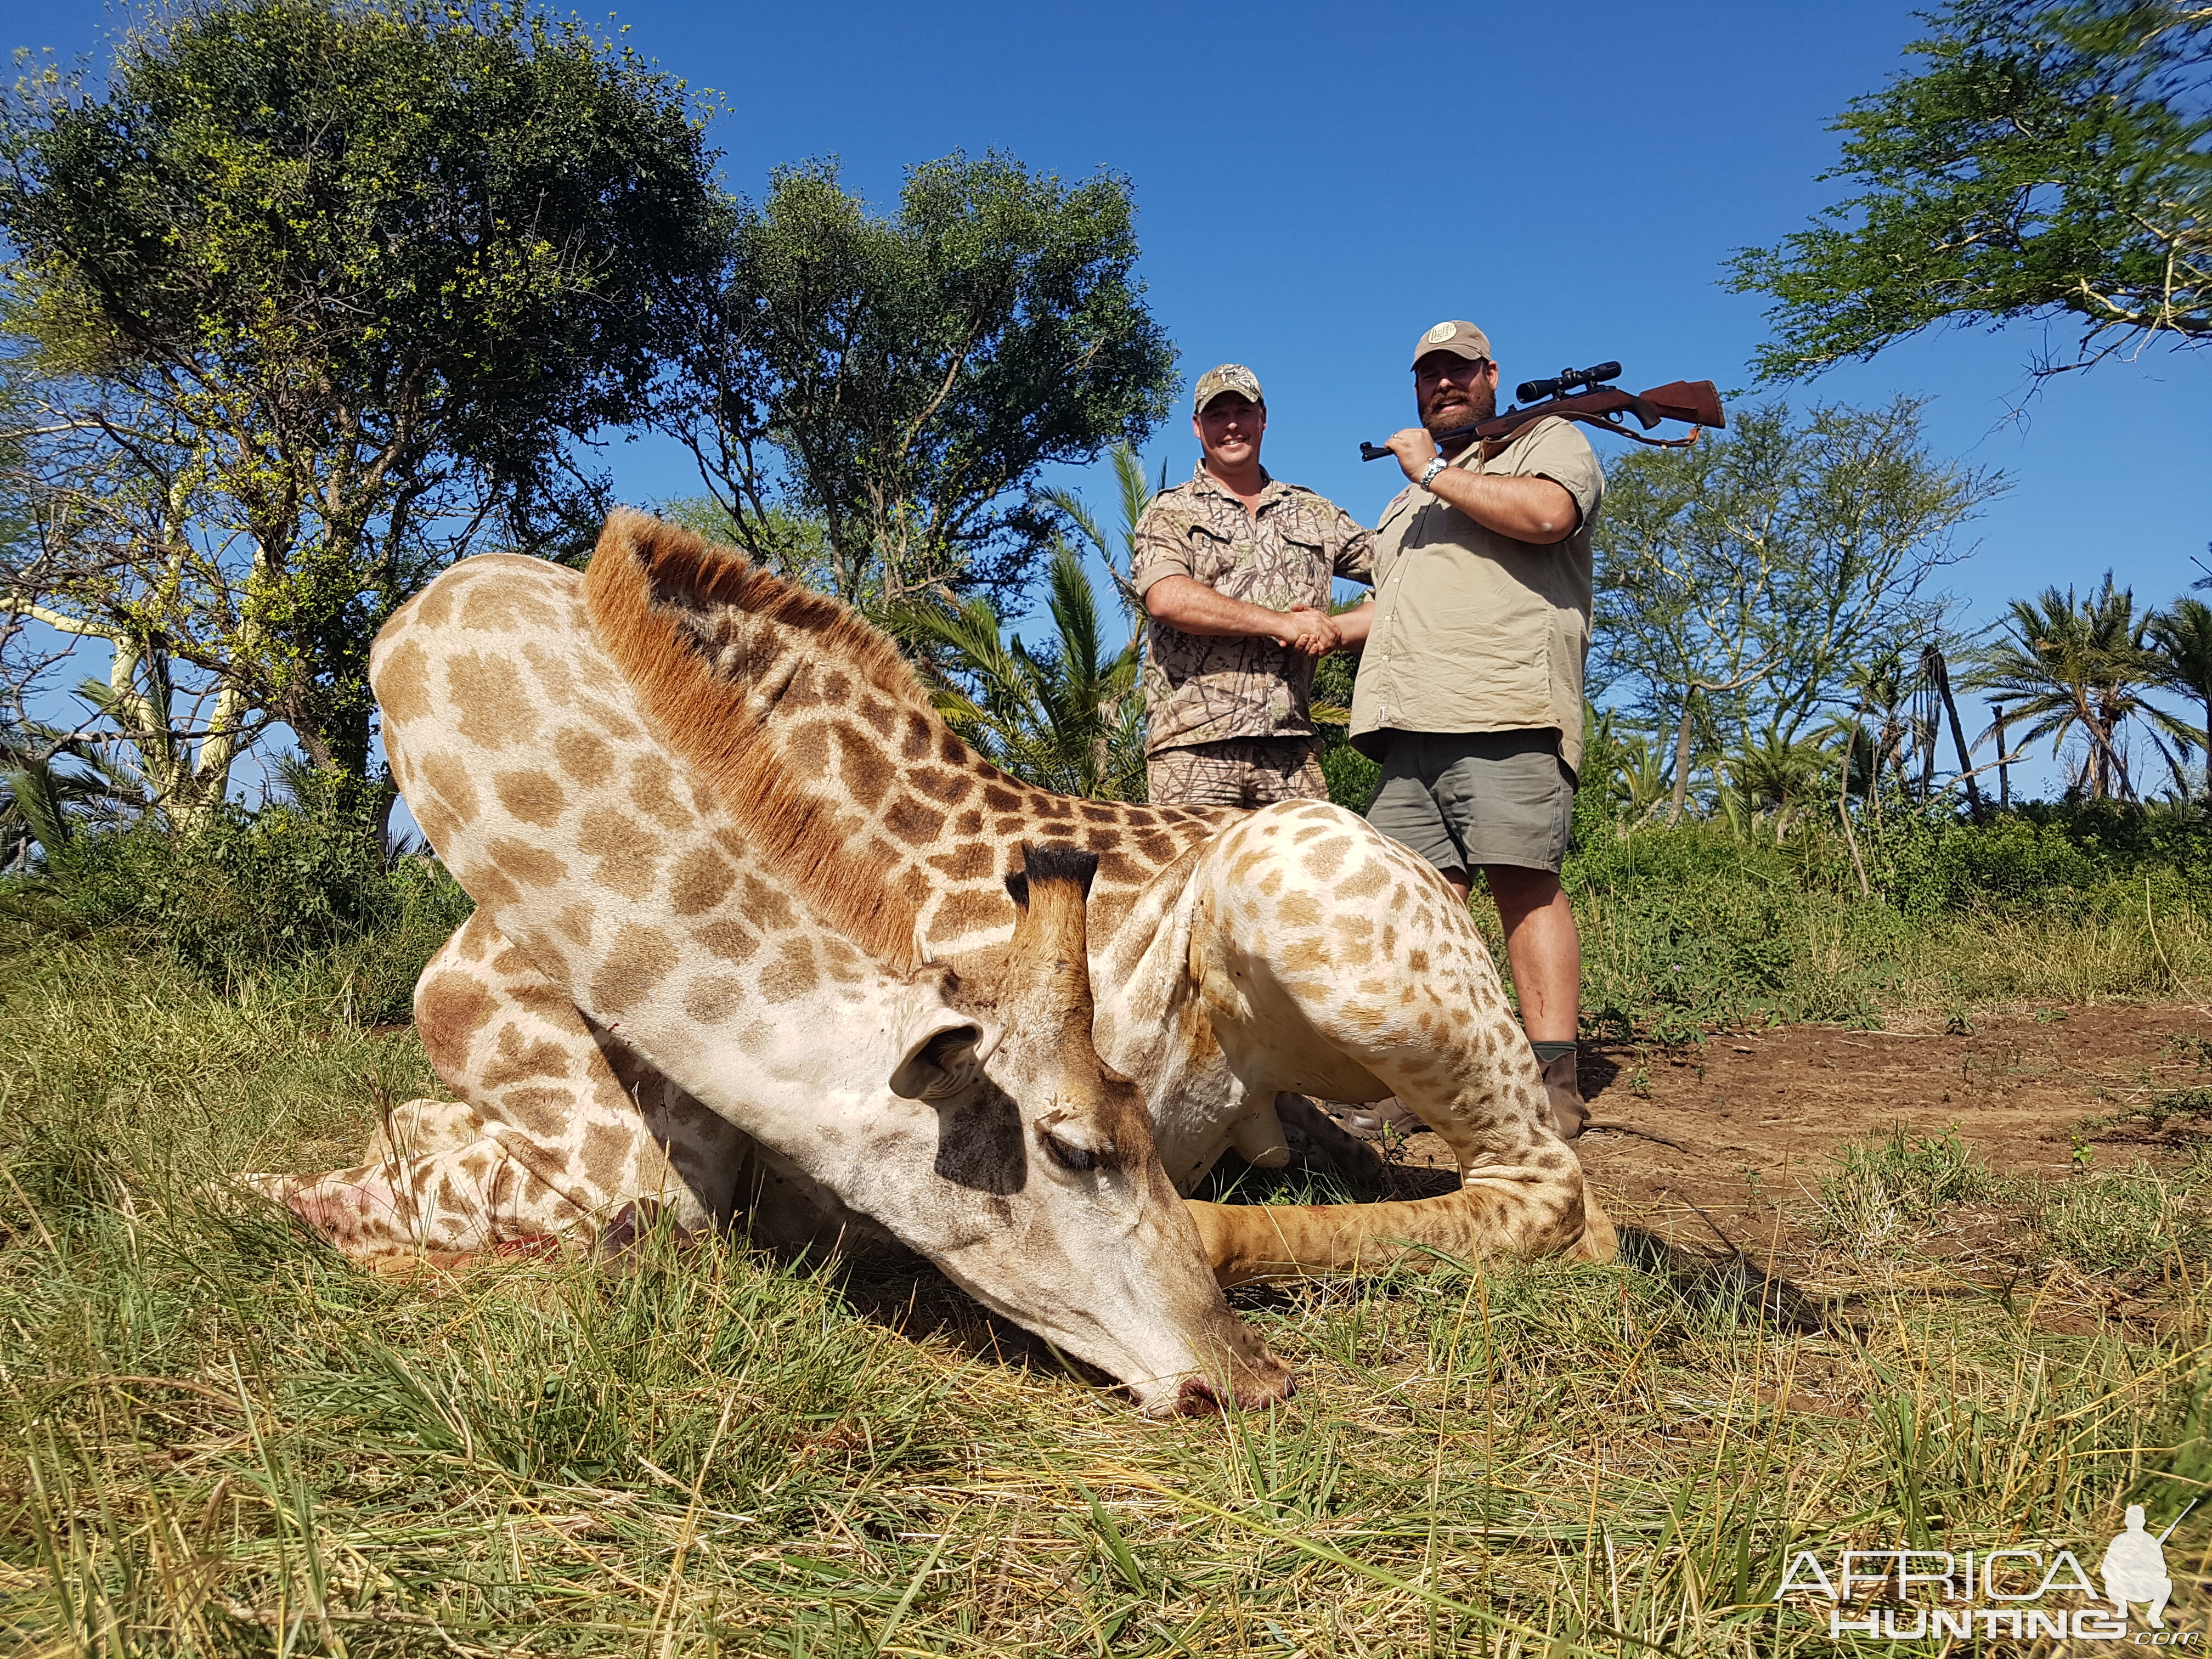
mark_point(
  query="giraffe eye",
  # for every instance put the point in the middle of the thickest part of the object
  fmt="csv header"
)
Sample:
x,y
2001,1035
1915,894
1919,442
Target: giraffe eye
x,y
1066,1154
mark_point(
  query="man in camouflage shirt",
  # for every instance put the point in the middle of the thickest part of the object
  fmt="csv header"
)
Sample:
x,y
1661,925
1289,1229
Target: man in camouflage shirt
x,y
1235,568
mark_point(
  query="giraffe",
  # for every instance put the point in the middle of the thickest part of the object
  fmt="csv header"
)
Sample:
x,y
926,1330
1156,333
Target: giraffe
x,y
1236,955
654,1002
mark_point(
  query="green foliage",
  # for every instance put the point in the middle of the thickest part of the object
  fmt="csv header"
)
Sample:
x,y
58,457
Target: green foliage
x,y
241,895
903,378
317,294
1066,717
2050,159
2136,1222
1740,582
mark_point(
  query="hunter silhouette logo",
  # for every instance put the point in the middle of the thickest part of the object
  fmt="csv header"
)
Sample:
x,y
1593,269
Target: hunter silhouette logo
x,y
2003,1591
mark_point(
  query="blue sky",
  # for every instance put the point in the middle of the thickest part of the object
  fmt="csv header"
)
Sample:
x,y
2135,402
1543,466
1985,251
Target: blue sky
x,y
1315,184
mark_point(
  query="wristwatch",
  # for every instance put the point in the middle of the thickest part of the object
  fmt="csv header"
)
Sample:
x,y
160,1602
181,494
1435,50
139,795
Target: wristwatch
x,y
1437,465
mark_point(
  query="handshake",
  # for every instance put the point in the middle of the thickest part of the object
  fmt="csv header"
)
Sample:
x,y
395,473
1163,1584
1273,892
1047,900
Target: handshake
x,y
1313,632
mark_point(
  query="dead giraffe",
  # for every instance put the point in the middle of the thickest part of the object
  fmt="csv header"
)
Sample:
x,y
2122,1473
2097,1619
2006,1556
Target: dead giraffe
x,y
655,993
1237,955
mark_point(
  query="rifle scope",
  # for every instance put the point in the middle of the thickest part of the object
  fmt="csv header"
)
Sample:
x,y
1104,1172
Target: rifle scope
x,y
1568,379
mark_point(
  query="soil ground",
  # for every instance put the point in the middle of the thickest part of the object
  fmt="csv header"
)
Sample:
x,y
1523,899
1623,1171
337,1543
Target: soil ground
x,y
1744,1125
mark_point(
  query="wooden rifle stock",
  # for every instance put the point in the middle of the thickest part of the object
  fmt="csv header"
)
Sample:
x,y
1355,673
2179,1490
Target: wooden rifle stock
x,y
1696,403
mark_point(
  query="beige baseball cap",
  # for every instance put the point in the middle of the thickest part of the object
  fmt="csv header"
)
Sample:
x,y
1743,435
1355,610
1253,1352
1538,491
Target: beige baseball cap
x,y
1229,377
1461,339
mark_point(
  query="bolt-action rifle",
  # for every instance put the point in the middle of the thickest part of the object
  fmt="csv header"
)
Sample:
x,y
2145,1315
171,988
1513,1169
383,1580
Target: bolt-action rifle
x,y
1695,402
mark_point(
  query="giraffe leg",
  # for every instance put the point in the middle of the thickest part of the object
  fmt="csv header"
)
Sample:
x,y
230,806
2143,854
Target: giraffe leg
x,y
1322,997
559,1129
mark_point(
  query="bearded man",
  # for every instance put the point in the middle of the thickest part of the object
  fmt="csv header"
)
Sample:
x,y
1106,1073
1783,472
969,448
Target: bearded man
x,y
1470,687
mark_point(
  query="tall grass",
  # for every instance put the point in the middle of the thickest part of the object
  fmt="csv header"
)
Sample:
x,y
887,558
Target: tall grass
x,y
217,1437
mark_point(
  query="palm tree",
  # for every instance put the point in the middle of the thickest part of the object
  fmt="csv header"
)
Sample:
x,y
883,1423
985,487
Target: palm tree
x,y
44,803
1778,773
2182,638
2065,665
1120,554
1064,718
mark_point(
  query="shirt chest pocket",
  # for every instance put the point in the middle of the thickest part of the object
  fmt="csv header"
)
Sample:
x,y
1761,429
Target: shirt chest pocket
x,y
1216,559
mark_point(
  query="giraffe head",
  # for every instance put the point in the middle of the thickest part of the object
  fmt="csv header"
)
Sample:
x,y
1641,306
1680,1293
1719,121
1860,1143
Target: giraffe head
x,y
1051,1204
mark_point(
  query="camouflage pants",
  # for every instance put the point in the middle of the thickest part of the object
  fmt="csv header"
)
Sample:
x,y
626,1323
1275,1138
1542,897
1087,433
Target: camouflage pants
x,y
1237,772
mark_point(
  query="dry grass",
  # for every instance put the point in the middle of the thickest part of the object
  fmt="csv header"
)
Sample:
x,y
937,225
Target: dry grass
x,y
221,1438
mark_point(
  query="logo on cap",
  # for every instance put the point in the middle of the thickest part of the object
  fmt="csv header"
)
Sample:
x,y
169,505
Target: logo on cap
x,y
1441,332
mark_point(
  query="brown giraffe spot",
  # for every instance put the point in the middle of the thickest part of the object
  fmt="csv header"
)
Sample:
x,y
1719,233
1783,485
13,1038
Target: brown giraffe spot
x,y
951,750
583,756
913,822
514,1060
546,1001
533,796
1156,847
713,998
628,854
652,790
541,1112
556,672
495,708
919,739
641,957
502,607
488,885
1304,835
574,923
1306,956
864,768
1095,813
1002,801
449,1010
879,714
1325,858
976,911
604,1151
403,684
439,826
847,966
970,861
610,719
730,940
1417,961
808,746
1271,884
764,905
1115,871
1101,840
700,878
792,973
969,823
1049,807
526,863
1010,826
450,779
939,785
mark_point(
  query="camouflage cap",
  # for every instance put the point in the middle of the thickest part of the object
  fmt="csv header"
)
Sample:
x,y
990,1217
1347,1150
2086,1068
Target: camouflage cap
x,y
1230,377
1461,339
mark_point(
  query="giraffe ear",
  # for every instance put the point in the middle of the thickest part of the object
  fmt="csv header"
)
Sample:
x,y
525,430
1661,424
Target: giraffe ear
x,y
943,1057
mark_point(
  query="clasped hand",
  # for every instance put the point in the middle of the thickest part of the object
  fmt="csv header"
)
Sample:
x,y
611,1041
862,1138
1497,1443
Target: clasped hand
x,y
1310,631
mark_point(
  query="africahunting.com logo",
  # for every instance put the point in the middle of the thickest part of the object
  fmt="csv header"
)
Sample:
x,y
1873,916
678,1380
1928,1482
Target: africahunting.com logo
x,y
1899,1594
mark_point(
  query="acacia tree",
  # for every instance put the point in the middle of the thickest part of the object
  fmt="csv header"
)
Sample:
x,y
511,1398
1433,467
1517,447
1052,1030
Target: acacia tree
x,y
1740,579
313,296
2049,160
901,380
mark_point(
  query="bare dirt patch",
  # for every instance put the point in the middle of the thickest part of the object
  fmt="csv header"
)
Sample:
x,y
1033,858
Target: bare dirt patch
x,y
1744,1125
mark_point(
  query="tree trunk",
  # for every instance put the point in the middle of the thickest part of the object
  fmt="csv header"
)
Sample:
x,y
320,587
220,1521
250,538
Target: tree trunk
x,y
1958,732
2004,767
1682,761
1844,798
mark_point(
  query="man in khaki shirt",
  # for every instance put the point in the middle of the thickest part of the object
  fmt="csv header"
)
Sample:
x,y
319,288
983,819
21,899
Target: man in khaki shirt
x,y
1235,569
1470,688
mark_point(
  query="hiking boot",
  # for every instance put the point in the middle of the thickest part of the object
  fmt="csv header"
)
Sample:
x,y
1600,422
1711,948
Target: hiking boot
x,y
1563,1083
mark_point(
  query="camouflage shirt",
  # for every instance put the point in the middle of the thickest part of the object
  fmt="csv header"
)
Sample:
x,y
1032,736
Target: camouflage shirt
x,y
1200,688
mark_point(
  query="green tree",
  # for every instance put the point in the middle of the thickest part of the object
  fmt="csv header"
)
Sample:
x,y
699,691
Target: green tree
x,y
311,297
2182,638
902,379
2049,160
2068,666
1739,580
1065,717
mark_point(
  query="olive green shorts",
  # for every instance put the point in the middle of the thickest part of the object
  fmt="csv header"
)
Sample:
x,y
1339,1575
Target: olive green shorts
x,y
1463,799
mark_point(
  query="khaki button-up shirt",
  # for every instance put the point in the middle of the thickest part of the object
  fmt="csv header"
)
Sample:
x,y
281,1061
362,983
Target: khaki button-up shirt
x,y
1473,630
1200,687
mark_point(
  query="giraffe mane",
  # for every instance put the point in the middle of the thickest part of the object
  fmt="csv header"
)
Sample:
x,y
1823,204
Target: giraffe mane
x,y
654,591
